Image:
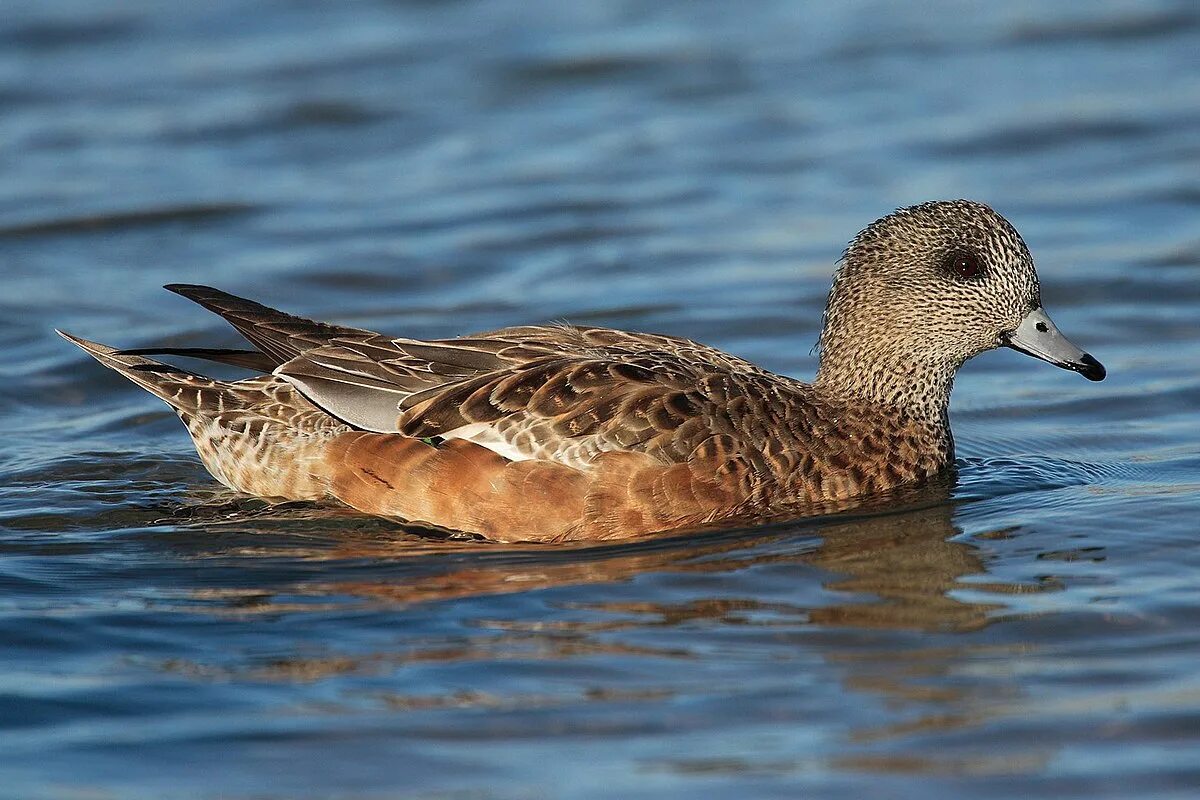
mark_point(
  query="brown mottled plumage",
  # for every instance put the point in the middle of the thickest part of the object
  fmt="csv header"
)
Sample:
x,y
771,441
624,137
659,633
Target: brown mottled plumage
x,y
555,433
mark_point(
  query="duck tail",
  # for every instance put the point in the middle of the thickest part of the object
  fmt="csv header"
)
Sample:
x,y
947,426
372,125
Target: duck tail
x,y
187,392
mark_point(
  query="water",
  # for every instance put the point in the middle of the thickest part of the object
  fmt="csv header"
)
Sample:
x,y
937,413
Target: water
x,y
693,168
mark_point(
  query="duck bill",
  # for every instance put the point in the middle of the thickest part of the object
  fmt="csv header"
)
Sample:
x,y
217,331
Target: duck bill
x,y
1038,336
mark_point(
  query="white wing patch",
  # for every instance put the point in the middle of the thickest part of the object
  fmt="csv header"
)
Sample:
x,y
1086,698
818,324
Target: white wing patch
x,y
485,435
518,443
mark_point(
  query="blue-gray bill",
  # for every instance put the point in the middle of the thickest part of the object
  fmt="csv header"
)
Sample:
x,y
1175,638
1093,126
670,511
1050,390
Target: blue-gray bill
x,y
1038,336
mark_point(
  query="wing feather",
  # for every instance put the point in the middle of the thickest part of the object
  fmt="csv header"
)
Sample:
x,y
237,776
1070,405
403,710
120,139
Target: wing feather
x,y
553,393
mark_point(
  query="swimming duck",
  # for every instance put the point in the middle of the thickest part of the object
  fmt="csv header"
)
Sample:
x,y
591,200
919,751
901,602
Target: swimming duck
x,y
557,432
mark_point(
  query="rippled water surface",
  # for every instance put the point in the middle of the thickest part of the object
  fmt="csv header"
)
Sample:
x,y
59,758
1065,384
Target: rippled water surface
x,y
430,168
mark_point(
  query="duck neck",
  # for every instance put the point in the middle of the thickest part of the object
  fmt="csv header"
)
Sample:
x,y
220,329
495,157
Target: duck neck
x,y
890,377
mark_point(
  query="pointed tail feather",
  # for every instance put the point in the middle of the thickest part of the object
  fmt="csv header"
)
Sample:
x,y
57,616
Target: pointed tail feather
x,y
280,336
183,390
246,359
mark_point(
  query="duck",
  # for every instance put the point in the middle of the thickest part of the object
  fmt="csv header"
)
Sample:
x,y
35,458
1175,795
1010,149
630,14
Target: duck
x,y
562,433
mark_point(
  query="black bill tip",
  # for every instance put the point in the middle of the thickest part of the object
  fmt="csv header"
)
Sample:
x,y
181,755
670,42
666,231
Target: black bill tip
x,y
1090,368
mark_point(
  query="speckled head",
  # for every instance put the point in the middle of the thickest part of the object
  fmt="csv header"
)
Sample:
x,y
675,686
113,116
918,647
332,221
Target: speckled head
x,y
926,288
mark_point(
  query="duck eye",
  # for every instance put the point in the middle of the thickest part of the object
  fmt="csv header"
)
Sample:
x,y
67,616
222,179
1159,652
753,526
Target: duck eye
x,y
965,265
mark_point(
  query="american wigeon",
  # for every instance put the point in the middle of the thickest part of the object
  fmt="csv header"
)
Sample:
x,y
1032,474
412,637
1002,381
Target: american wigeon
x,y
557,432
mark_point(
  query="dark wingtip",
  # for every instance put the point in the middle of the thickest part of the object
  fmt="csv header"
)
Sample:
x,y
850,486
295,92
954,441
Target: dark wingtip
x,y
1091,369
246,359
187,289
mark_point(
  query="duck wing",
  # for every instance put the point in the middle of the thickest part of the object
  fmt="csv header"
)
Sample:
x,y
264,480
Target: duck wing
x,y
555,393
277,335
552,392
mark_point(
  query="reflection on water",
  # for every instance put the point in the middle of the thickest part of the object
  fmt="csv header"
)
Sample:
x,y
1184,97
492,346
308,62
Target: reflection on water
x,y
893,571
904,570
907,560
911,564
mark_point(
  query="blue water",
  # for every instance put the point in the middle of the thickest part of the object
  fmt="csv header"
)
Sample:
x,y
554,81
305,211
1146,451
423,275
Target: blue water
x,y
433,168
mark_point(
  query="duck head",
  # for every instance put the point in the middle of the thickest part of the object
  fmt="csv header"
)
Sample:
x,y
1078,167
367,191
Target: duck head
x,y
926,288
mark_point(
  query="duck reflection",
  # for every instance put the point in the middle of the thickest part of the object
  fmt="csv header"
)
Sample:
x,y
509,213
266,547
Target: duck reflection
x,y
821,586
910,563
897,569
